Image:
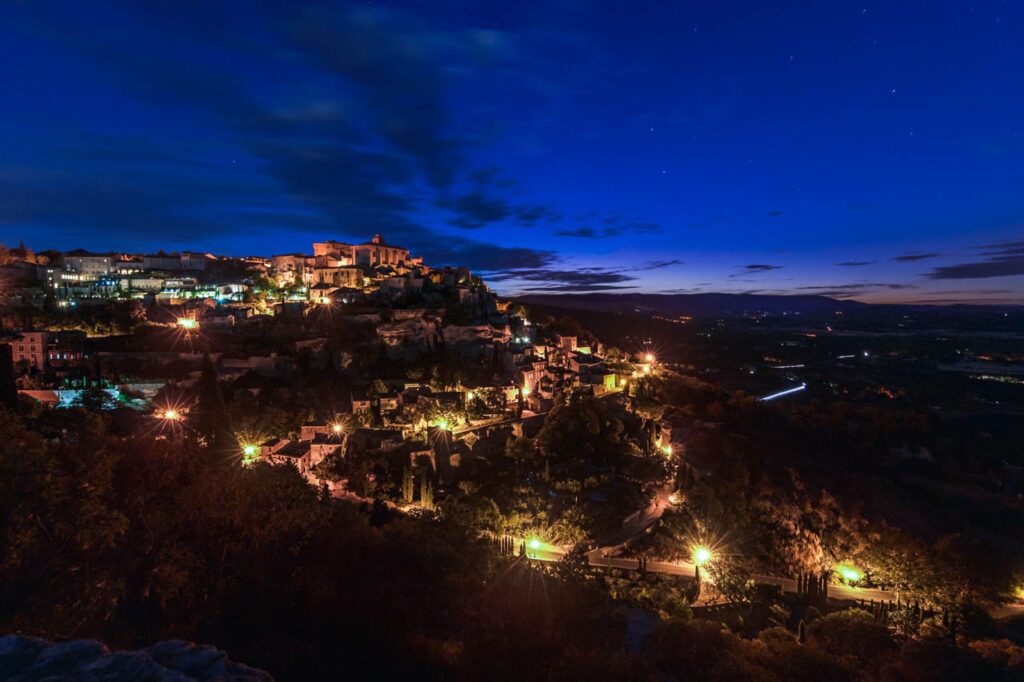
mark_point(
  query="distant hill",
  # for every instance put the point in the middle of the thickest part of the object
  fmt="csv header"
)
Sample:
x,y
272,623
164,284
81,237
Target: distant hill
x,y
696,305
719,305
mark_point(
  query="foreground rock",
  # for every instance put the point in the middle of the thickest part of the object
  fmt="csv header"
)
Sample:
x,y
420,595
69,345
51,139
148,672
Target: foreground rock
x,y
27,659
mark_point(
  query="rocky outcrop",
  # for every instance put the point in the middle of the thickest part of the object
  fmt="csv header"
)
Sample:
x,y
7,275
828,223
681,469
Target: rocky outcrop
x,y
27,659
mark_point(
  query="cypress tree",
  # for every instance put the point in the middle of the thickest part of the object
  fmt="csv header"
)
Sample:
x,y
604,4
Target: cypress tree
x,y
8,389
426,492
212,423
407,485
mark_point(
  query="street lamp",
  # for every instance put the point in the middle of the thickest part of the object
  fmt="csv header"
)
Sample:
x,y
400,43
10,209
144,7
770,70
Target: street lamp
x,y
171,414
187,322
336,428
649,358
849,574
249,451
701,555
534,543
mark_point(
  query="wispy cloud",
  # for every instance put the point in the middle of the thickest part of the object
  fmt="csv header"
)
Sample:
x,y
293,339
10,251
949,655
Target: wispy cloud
x,y
1002,259
911,257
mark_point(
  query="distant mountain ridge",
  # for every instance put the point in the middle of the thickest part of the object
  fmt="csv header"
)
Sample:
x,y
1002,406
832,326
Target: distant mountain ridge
x,y
703,305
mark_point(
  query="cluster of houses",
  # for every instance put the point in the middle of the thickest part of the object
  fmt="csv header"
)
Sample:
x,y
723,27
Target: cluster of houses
x,y
334,271
410,421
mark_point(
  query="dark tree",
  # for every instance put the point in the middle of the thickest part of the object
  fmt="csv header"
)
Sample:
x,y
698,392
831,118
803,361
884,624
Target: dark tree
x,y
213,422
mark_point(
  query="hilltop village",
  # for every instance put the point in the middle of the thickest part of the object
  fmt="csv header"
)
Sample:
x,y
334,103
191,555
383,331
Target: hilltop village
x,y
373,373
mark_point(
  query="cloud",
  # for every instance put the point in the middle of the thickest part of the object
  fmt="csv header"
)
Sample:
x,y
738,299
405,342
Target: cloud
x,y
481,206
747,270
1003,259
852,290
564,280
492,259
475,210
856,263
911,257
395,63
615,226
658,264
585,233
531,216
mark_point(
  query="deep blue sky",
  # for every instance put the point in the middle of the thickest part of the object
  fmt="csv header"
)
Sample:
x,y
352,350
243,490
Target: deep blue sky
x,y
869,149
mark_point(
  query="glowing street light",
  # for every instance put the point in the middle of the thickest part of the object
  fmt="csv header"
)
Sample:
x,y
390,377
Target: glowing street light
x,y
526,390
701,555
667,449
443,425
170,414
249,451
187,322
647,369
850,574
535,543
469,396
336,428
649,358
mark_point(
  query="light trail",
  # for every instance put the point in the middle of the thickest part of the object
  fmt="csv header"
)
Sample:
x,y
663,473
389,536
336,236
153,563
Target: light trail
x,y
785,366
782,393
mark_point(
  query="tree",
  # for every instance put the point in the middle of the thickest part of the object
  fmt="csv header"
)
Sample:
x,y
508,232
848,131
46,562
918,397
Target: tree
x,y
8,389
574,565
212,422
426,492
731,580
94,398
407,485
521,450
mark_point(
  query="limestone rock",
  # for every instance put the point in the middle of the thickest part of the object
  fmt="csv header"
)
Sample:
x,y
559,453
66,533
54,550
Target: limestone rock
x,y
27,659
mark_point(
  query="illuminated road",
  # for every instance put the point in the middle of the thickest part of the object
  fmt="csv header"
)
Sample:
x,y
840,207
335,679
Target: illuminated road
x,y
596,558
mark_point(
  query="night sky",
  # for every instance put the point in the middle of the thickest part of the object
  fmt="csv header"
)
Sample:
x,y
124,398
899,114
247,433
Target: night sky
x,y
869,150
